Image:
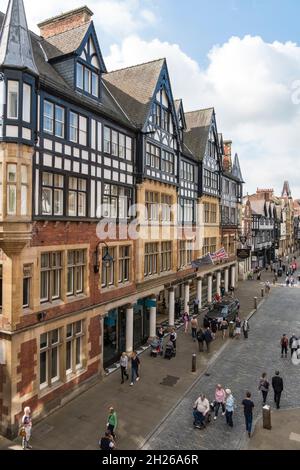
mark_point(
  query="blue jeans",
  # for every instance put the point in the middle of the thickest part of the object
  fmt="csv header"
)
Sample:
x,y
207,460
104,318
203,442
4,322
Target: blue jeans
x,y
134,374
248,419
229,418
198,418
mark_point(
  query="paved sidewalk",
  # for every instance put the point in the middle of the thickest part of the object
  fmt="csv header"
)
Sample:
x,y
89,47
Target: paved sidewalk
x,y
284,435
80,423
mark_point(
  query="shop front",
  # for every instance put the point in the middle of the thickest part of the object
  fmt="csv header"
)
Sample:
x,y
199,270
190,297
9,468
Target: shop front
x,y
114,335
141,322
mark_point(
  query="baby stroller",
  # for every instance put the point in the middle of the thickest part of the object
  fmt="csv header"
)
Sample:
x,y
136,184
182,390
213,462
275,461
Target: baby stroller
x,y
170,351
156,348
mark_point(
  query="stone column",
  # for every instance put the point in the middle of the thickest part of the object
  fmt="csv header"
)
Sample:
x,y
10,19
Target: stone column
x,y
199,292
171,307
226,280
209,288
153,319
129,329
233,276
186,297
219,282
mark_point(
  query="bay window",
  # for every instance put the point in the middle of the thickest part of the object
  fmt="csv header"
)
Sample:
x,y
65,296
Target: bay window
x,y
24,190
12,99
116,201
26,102
11,189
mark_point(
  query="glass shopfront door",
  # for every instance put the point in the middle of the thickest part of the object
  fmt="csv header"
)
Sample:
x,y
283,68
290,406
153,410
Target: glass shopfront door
x,y
141,324
114,336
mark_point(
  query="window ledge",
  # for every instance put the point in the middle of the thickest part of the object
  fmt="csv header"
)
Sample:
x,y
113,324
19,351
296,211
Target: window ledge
x,y
74,375
27,311
46,390
48,305
75,298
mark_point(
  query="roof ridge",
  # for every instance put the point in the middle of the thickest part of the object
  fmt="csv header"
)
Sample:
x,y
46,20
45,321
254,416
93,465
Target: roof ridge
x,y
198,110
137,65
63,32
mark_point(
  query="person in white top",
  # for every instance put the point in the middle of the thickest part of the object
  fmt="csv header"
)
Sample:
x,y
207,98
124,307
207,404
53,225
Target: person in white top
x,y
27,425
201,409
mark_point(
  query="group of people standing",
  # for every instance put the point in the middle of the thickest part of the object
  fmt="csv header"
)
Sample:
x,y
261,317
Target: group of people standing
x,y
224,400
293,343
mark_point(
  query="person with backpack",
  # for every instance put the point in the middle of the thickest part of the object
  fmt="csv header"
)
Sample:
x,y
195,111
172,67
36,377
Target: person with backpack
x,y
284,342
208,339
112,422
107,442
246,328
135,367
200,339
263,386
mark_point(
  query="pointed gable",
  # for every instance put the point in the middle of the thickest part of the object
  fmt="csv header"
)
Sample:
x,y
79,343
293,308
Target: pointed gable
x,y
134,89
236,169
198,128
15,41
180,114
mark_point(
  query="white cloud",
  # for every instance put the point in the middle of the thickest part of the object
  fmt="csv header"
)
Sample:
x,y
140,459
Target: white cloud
x,y
250,84
117,18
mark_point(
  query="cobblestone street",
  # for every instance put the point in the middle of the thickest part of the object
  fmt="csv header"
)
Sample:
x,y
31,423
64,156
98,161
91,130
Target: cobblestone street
x,y
239,368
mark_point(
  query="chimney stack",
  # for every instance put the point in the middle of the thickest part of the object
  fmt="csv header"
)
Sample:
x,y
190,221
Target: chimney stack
x,y
65,22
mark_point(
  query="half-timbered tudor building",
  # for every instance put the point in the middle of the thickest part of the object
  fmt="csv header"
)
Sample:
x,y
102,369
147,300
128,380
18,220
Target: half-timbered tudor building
x,y
231,200
203,140
100,178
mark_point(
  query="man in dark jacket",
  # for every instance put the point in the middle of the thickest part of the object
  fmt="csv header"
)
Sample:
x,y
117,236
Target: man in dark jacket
x,y
277,384
208,338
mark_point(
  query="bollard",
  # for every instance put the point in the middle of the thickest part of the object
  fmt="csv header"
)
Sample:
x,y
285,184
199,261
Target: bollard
x,y
267,417
194,363
262,292
255,303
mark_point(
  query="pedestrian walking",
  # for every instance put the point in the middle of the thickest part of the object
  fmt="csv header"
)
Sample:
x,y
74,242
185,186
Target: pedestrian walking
x,y
194,325
112,422
206,322
224,327
229,407
268,287
200,339
173,337
107,442
264,387
124,367
277,384
220,400
287,281
246,329
293,343
26,428
186,321
208,339
238,324
135,368
248,412
284,342
258,275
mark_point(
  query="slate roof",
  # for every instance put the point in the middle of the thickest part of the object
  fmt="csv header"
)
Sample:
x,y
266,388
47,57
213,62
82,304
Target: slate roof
x,y
198,126
15,41
258,206
66,42
133,88
51,78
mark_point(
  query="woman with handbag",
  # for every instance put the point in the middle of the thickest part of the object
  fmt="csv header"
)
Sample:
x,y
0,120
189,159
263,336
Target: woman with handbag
x,y
25,431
